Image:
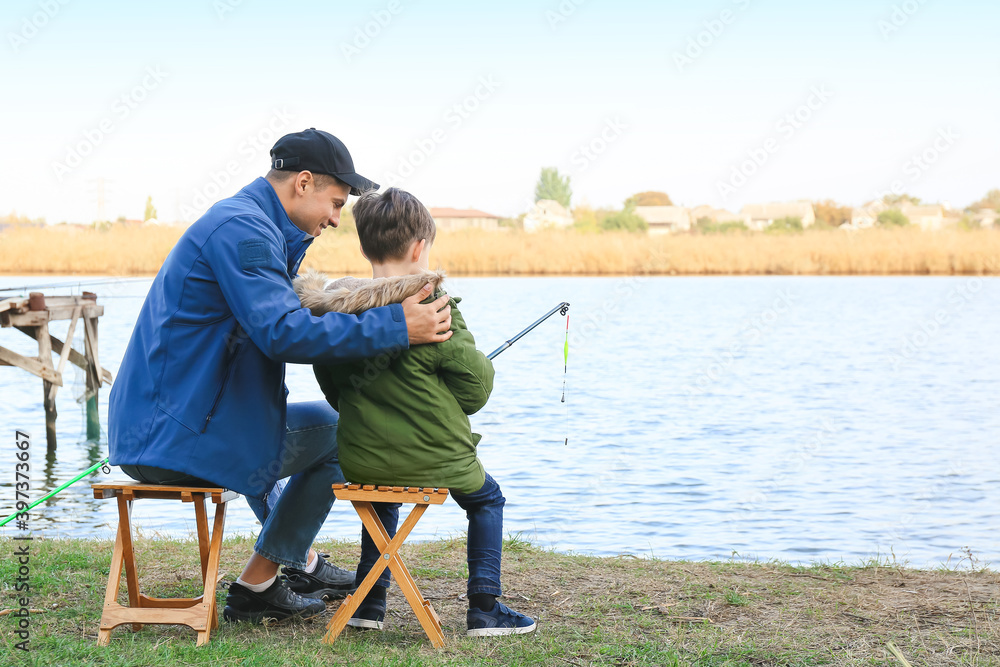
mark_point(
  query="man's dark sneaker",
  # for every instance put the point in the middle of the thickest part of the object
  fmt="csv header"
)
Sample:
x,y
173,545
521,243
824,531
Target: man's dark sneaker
x,y
498,621
371,613
327,582
276,602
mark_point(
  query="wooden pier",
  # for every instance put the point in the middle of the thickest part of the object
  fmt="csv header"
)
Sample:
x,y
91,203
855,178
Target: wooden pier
x,y
33,316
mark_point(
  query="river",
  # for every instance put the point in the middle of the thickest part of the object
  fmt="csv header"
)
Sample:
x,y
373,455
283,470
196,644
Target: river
x,y
794,418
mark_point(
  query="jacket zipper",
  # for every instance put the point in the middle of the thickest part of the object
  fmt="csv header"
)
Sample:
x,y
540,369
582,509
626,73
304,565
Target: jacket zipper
x,y
225,382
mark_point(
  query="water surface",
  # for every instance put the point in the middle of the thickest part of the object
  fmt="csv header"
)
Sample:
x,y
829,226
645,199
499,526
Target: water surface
x,y
798,418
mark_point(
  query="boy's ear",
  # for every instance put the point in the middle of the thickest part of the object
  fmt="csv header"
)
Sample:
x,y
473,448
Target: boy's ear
x,y
418,249
363,252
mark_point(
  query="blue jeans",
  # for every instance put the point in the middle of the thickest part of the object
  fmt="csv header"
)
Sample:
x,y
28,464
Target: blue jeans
x,y
291,521
484,509
291,516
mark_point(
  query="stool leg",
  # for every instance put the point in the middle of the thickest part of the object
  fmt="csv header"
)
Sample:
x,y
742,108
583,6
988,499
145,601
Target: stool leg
x,y
128,552
422,608
353,601
201,522
211,574
111,594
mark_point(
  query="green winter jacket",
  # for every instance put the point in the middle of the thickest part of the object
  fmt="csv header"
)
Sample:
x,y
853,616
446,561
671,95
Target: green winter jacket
x,y
404,414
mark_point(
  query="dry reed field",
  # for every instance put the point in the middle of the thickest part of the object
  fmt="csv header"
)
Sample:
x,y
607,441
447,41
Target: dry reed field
x,y
141,250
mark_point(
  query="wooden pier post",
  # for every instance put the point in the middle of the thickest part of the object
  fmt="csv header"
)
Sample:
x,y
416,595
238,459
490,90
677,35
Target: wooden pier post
x,y
94,371
32,316
36,304
48,396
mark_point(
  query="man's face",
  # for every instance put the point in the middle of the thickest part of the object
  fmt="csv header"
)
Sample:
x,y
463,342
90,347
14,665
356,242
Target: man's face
x,y
319,208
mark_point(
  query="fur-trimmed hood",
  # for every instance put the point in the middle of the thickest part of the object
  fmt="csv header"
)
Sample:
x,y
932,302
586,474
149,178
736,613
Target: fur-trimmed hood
x,y
356,295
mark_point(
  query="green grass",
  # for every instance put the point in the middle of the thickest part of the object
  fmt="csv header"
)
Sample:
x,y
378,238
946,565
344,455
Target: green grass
x,y
737,600
591,611
516,543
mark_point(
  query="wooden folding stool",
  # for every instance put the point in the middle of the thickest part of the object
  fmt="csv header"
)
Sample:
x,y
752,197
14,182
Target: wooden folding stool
x,y
362,498
198,613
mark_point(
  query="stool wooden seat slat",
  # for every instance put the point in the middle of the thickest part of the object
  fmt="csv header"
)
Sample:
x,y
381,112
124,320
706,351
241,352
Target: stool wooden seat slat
x,y
198,613
362,497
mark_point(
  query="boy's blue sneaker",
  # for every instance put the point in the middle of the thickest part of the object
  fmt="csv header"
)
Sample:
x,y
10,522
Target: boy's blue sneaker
x,y
370,614
500,620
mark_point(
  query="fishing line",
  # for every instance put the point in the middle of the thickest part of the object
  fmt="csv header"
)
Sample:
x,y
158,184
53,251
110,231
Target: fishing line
x,y
104,281
565,366
562,309
565,358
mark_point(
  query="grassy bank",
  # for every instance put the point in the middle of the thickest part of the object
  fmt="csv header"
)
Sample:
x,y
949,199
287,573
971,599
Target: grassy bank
x,y
141,251
616,611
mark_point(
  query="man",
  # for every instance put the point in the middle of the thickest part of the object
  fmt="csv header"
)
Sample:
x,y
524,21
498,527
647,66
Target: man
x,y
200,397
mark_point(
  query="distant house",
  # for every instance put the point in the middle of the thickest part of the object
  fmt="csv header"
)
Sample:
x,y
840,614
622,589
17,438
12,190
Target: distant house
x,y
713,214
927,217
951,219
547,214
451,219
665,219
759,216
986,217
867,215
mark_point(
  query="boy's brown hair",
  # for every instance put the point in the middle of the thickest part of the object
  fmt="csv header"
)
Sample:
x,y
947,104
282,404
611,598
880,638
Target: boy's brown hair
x,y
388,222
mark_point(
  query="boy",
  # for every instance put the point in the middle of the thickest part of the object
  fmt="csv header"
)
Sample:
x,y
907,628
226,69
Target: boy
x,y
404,416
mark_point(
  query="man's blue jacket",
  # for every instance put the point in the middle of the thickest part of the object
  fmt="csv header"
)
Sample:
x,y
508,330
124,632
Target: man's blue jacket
x,y
201,387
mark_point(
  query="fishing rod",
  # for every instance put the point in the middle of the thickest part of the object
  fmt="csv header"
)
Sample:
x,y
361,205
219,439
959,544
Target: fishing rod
x,y
100,464
562,309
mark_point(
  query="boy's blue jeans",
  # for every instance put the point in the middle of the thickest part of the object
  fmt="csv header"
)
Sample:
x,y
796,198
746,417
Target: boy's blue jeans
x,y
290,517
484,508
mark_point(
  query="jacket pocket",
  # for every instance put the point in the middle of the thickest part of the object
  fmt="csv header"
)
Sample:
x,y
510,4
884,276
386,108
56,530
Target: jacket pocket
x,y
230,370
174,418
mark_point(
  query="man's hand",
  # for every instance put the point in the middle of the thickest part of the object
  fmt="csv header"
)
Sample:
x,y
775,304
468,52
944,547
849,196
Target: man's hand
x,y
424,321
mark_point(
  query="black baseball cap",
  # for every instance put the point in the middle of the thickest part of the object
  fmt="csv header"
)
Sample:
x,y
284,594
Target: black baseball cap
x,y
321,153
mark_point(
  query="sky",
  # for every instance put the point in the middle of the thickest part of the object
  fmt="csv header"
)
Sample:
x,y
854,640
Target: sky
x,y
723,102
